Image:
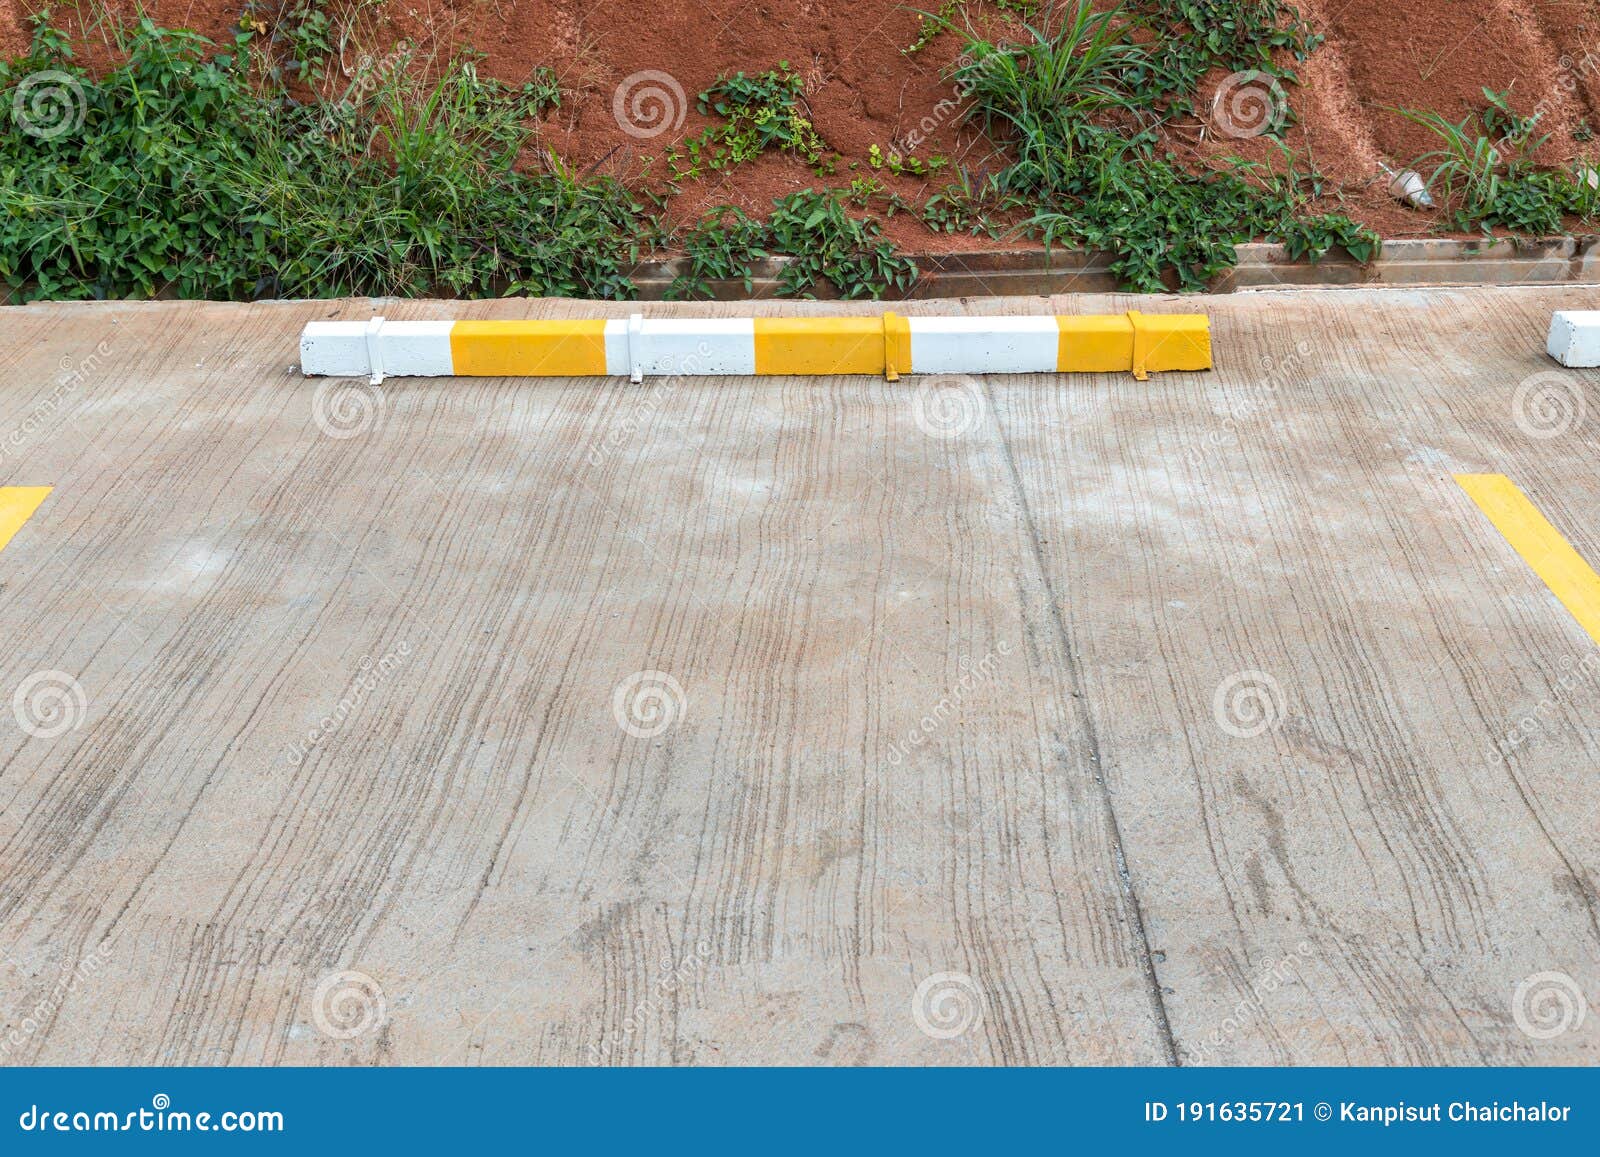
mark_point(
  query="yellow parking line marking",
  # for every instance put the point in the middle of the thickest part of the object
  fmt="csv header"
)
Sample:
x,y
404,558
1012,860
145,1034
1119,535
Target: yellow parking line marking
x,y
1569,577
17,504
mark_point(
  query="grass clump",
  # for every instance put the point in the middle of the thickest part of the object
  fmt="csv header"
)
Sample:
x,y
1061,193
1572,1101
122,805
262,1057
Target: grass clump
x,y
1078,105
1485,175
193,173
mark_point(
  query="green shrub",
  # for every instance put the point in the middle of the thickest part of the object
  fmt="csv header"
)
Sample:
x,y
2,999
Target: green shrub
x,y
185,176
827,244
1160,220
1077,107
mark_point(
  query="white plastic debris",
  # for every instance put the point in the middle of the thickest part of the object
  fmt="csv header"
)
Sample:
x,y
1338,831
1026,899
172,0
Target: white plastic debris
x,y
1408,186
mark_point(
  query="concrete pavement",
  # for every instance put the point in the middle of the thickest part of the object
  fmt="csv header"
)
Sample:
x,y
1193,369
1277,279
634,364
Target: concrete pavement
x,y
1018,720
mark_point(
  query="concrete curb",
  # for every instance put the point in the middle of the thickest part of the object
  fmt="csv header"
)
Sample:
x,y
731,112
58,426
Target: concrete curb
x,y
1140,343
1262,265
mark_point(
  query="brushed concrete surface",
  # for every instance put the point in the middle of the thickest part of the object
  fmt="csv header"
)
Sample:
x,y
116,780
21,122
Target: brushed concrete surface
x,y
1029,720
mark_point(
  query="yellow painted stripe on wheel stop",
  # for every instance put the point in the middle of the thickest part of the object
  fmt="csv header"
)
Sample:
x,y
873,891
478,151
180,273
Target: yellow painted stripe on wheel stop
x,y
1542,547
1094,343
521,348
1145,343
17,504
819,345
896,346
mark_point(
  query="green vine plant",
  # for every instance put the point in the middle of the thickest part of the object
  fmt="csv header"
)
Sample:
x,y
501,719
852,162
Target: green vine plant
x,y
759,112
900,165
1192,37
973,203
300,36
931,24
824,242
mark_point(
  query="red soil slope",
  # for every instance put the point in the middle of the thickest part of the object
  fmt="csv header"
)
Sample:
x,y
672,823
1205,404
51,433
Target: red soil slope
x,y
863,90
